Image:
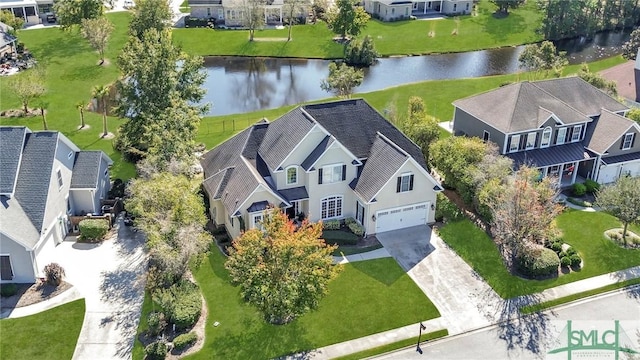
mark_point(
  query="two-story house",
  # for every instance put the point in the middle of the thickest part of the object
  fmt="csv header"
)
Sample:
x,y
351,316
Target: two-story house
x,y
565,127
329,161
44,179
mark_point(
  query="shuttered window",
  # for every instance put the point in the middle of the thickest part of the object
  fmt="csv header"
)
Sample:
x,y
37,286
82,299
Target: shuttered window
x,y
6,272
404,183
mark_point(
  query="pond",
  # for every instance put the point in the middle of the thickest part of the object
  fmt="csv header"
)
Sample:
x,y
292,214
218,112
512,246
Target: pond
x,y
240,84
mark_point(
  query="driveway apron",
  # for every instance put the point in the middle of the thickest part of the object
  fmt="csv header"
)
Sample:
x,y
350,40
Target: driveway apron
x,y
464,300
111,277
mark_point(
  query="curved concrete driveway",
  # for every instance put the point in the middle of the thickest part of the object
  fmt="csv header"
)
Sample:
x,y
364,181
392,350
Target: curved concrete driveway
x,y
464,300
111,277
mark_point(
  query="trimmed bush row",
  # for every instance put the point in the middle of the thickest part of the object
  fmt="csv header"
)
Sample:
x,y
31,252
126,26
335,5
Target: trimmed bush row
x,y
185,340
93,230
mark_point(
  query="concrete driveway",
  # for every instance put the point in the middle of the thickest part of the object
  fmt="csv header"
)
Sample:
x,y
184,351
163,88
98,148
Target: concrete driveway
x,y
111,277
464,300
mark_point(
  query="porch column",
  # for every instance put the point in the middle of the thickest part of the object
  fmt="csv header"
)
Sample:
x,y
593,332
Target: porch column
x,y
440,6
575,172
281,16
24,15
425,7
265,15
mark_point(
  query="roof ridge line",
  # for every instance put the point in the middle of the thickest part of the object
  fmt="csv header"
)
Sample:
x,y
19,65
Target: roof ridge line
x,y
392,144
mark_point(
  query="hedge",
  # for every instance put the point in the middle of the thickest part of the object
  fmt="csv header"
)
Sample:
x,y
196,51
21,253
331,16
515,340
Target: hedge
x,y
93,230
156,351
185,340
339,237
331,224
7,290
538,261
356,228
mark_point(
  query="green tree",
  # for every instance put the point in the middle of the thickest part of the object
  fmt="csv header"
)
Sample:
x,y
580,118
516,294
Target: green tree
x,y
630,48
97,31
101,94
158,76
13,21
80,106
597,80
425,133
71,12
621,200
347,18
342,79
523,212
172,215
28,86
150,14
361,52
281,270
543,57
488,176
634,114
294,9
253,15
504,5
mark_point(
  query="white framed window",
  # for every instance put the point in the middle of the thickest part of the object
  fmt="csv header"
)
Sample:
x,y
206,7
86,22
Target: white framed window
x,y
6,268
220,14
554,170
561,135
627,142
292,175
60,182
360,213
546,137
332,174
576,134
256,221
70,155
486,136
415,6
331,207
531,140
515,143
208,11
404,183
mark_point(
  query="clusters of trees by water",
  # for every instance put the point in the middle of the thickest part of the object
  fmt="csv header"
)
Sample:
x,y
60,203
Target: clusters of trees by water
x,y
566,19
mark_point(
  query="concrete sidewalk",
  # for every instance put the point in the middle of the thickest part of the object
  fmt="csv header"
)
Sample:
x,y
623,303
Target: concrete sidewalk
x,y
369,255
68,296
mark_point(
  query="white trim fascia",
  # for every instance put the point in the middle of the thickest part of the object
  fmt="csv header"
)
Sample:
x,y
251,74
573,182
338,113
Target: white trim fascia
x,y
295,148
263,188
26,248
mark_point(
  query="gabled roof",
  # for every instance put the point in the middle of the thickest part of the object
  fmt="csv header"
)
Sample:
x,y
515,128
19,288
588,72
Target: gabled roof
x,y
384,160
32,188
554,155
519,107
11,144
283,136
86,170
317,152
580,95
606,130
355,124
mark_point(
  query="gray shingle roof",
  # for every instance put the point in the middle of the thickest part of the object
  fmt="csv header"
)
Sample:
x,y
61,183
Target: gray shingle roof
x,y
550,156
384,160
35,172
5,37
258,206
258,132
225,154
240,185
283,135
293,194
580,95
355,124
11,144
621,158
317,152
86,169
605,131
519,107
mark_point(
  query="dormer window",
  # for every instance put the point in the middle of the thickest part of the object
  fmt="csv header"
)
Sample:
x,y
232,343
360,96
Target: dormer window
x,y
515,143
531,140
627,142
562,134
546,137
292,175
577,131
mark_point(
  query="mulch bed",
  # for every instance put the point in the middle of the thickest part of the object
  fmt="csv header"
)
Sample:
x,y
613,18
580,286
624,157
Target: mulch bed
x,y
29,294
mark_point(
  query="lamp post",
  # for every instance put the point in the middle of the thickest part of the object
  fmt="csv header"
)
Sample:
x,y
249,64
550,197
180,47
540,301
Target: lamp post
x,y
422,327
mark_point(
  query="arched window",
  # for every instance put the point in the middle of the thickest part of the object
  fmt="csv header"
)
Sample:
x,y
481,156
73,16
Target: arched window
x,y
331,207
546,137
292,175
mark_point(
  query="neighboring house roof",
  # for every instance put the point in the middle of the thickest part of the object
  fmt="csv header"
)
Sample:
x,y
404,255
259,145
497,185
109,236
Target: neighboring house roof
x,y
86,169
554,155
606,130
621,158
527,105
11,144
355,124
5,37
283,136
626,78
384,161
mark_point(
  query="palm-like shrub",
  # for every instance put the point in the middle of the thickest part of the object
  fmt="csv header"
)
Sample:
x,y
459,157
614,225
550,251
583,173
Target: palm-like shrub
x,y
54,274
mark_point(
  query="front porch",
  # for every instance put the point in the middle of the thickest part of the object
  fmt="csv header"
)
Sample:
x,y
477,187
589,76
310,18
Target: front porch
x,y
426,7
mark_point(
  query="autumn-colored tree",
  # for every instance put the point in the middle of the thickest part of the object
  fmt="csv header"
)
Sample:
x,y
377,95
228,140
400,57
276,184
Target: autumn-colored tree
x,y
281,270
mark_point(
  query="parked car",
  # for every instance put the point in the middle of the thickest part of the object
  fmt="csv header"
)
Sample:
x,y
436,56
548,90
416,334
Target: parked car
x,y
51,18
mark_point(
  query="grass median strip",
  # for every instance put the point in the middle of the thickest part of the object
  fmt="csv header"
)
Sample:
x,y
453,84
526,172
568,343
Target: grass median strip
x,y
529,309
396,345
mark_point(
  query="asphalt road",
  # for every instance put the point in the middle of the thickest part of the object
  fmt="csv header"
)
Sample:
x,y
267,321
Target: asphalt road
x,y
534,336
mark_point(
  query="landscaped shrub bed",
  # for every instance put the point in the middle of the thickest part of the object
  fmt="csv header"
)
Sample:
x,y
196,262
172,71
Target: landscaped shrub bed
x,y
93,230
340,237
537,261
185,340
568,255
331,225
7,290
446,210
156,351
182,303
615,235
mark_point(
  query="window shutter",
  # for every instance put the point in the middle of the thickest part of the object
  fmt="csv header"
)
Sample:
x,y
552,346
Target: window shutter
x,y
622,142
508,143
411,182
5,268
633,139
569,135
398,184
344,172
320,176
536,144
523,142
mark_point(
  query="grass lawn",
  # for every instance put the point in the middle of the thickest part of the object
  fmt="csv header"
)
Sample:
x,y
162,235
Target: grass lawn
x,y
396,345
582,230
315,40
52,334
72,72
366,298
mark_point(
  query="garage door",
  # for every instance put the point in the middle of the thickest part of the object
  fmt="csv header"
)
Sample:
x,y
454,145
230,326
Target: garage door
x,y
632,169
608,174
402,217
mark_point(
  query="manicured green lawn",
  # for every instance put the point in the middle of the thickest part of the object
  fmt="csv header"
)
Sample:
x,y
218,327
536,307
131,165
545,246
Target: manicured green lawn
x,y
315,40
72,72
52,334
582,230
396,345
366,298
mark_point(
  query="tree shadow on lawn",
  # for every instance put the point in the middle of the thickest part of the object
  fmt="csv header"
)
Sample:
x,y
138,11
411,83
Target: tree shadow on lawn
x,y
261,341
499,29
379,270
82,72
61,49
